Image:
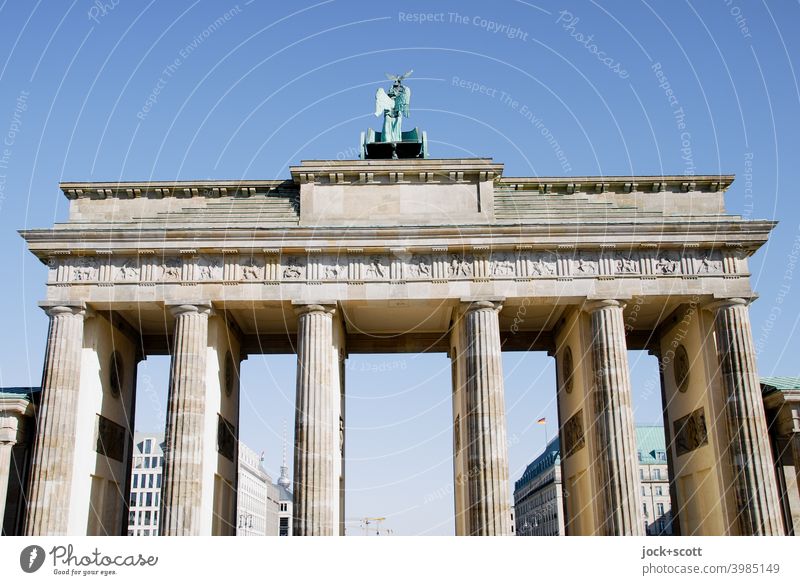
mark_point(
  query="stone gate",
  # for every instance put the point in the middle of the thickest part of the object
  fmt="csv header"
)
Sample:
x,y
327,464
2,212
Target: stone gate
x,y
437,255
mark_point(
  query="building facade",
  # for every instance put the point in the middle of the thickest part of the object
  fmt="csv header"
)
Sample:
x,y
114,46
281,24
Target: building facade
x,y
17,429
147,476
782,403
539,495
255,496
654,479
285,502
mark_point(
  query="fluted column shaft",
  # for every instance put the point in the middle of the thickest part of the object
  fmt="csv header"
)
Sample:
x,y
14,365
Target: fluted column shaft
x,y
487,457
180,512
751,456
316,438
616,442
54,448
796,457
5,469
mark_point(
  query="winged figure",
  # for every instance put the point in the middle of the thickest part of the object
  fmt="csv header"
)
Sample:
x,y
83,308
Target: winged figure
x,y
394,105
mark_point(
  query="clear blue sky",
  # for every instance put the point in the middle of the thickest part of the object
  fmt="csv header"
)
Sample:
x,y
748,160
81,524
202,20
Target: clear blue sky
x,y
278,82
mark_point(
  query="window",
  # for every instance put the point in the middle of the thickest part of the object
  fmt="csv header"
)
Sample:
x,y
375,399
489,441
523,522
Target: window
x,y
661,455
642,490
644,509
158,481
157,494
660,508
154,462
641,473
149,499
147,520
639,454
150,481
135,480
132,518
146,462
658,491
147,446
146,532
656,473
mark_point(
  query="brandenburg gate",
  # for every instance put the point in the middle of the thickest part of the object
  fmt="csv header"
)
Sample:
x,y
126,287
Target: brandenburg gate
x,y
402,255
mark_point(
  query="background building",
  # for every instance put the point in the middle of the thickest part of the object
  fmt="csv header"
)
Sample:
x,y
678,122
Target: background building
x,y
146,476
654,477
285,501
256,505
257,501
539,497
782,406
17,429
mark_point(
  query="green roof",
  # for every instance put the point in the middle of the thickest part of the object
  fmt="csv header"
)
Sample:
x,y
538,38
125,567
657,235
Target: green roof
x,y
18,392
650,440
773,383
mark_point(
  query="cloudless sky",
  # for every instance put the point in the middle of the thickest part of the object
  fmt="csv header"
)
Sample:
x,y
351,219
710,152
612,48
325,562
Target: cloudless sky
x,y
275,83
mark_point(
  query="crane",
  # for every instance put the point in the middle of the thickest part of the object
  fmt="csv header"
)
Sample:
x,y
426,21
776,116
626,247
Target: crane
x,y
367,522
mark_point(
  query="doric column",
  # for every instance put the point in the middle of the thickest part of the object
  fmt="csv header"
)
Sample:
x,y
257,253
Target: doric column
x,y
487,458
756,486
316,437
5,468
53,455
794,439
14,410
183,456
616,439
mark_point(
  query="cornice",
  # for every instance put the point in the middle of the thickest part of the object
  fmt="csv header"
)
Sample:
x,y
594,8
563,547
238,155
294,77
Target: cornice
x,y
746,236
367,172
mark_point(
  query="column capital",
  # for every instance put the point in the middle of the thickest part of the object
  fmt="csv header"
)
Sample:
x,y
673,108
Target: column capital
x,y
202,307
717,304
475,304
303,307
53,308
592,305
